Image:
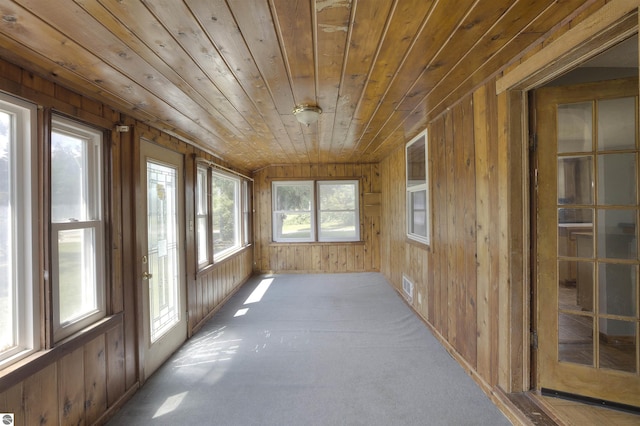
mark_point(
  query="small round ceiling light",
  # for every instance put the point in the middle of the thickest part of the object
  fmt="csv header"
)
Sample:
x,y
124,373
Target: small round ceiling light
x,y
307,114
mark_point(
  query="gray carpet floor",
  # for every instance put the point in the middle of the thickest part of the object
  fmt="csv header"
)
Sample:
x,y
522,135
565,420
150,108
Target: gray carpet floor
x,y
334,349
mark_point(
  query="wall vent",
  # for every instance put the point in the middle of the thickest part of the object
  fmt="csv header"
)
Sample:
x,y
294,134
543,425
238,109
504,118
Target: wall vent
x,y
407,288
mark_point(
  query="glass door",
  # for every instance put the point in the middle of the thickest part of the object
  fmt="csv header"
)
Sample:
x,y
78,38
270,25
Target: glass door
x,y
587,246
164,294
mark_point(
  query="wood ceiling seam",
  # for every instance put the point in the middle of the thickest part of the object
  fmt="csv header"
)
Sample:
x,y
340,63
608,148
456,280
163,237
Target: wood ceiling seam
x,y
510,45
456,92
193,93
428,13
198,53
267,132
66,70
439,79
354,118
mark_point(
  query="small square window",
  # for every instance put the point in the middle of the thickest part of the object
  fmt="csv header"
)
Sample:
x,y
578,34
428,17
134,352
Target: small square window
x,y
417,166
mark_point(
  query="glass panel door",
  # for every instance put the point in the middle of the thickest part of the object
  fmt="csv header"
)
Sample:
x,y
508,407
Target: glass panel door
x,y
160,214
587,317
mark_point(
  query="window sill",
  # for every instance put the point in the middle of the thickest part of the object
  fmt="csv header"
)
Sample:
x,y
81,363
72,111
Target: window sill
x,y
317,243
20,370
207,268
420,244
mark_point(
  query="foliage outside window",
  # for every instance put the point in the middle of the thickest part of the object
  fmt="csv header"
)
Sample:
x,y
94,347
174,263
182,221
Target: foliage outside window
x,y
76,227
418,216
295,216
18,247
223,220
225,206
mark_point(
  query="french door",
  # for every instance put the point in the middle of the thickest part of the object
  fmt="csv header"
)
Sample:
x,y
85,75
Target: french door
x,y
587,240
160,215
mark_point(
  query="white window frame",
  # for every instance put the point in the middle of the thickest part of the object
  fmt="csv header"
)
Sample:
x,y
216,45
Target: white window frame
x,y
356,210
277,215
94,221
236,216
415,188
204,188
23,223
202,212
246,212
315,210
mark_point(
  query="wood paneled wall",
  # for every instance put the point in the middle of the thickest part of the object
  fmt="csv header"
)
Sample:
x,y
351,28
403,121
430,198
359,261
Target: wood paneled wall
x,y
215,285
319,257
83,379
456,276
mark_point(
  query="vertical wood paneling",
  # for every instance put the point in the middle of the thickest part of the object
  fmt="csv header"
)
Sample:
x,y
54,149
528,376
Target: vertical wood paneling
x,y
318,257
95,379
40,398
71,388
483,234
218,283
459,272
469,325
12,399
115,362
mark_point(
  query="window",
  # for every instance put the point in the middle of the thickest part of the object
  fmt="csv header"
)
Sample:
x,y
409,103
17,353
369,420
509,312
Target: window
x,y
223,213
418,216
225,206
77,229
19,305
338,211
295,214
246,212
202,214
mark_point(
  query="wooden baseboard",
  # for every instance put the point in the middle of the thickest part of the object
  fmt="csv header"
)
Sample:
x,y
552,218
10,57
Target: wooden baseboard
x,y
111,411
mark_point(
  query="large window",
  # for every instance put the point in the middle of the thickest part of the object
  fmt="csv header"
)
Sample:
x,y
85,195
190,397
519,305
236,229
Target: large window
x,y
19,304
418,216
223,205
306,211
77,229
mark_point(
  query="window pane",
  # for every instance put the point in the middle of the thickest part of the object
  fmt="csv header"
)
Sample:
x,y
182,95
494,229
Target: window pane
x,y
575,180
78,258
202,231
617,289
575,339
226,211
7,303
575,124
337,226
416,163
294,197
76,273
617,179
618,345
337,196
418,213
293,225
246,213
68,178
617,232
202,228
18,298
616,123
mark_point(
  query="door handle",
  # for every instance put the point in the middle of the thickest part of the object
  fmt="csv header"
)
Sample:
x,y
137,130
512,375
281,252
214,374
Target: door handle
x,y
146,275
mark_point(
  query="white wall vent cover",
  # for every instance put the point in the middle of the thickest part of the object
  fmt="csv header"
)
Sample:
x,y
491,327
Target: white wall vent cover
x,y
407,288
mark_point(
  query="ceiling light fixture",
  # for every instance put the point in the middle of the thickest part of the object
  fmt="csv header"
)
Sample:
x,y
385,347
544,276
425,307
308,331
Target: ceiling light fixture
x,y
307,114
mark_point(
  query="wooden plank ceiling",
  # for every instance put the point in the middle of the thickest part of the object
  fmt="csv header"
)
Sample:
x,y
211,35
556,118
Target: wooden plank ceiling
x,y
228,73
